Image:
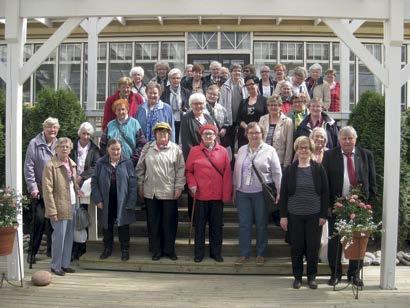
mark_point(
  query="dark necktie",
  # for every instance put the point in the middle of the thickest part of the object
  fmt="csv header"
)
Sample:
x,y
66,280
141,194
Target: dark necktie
x,y
350,170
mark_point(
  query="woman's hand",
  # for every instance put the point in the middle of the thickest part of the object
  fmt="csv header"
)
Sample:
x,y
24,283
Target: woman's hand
x,y
81,194
284,223
177,193
100,205
322,221
193,190
79,180
54,218
222,133
244,125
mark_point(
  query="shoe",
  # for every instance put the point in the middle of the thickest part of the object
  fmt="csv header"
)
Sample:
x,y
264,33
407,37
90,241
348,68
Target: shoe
x,y
68,270
31,258
218,258
198,259
125,255
334,280
58,272
156,257
106,253
173,257
312,284
297,283
241,260
260,261
355,280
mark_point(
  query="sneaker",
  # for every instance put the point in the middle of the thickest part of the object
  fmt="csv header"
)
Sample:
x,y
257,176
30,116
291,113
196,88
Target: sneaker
x,y
260,261
241,260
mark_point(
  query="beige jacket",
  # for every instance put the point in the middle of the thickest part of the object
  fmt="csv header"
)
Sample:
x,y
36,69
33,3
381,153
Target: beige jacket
x,y
56,189
323,91
161,172
282,137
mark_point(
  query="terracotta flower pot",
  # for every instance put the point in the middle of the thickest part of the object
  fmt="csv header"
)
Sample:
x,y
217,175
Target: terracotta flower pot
x,y
7,235
355,249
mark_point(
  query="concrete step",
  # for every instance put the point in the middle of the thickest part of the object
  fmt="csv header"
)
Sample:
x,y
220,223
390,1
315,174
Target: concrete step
x,y
230,247
230,230
186,264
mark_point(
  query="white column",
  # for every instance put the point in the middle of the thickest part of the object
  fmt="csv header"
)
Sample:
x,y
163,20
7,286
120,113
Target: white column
x,y
393,39
92,63
15,36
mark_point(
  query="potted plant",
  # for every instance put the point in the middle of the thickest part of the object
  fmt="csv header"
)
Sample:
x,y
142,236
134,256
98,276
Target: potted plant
x,y
11,204
354,224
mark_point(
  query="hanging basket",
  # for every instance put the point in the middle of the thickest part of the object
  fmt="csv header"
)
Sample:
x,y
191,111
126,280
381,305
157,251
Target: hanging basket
x,y
355,249
7,235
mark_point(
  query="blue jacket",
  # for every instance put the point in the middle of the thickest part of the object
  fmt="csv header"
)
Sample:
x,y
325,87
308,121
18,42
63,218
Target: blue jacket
x,y
164,114
126,189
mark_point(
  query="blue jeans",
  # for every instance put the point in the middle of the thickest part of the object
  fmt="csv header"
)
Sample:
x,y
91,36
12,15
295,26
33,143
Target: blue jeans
x,y
251,208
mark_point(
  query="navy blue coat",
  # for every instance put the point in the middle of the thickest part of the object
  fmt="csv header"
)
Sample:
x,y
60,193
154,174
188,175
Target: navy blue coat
x,y
126,189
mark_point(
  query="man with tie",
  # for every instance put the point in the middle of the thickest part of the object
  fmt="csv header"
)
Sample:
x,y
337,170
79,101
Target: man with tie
x,y
347,166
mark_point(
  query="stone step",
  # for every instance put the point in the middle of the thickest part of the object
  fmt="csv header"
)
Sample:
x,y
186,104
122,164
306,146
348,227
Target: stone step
x,y
230,230
186,264
230,247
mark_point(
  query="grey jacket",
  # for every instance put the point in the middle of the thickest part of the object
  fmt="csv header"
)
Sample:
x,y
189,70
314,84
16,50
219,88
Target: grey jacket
x,y
126,189
37,156
225,99
161,172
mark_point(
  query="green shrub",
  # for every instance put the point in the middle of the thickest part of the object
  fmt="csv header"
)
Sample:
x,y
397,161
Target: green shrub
x,y
404,210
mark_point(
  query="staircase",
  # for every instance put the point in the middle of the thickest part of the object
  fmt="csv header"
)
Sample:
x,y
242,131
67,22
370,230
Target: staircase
x,y
277,257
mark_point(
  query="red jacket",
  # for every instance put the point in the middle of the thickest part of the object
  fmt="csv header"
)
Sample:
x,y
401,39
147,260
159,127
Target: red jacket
x,y
211,185
335,98
134,99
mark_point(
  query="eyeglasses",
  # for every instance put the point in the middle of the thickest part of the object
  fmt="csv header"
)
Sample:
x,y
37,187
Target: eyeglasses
x,y
249,85
212,94
265,71
210,134
254,133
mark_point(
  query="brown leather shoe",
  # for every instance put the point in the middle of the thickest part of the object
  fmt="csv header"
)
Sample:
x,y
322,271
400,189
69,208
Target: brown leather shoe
x,y
260,261
241,260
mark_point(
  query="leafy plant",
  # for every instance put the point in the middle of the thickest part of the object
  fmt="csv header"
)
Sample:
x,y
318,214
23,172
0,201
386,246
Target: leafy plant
x,y
11,204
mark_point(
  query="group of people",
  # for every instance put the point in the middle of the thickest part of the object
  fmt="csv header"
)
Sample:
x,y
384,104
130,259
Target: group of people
x,y
221,138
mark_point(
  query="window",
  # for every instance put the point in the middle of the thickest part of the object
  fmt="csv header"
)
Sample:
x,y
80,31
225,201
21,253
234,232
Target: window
x,y
265,53
235,40
318,53
291,54
120,63
202,40
173,53
45,74
367,81
69,76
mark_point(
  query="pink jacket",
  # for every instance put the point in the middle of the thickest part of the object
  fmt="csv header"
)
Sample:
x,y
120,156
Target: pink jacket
x,y
200,173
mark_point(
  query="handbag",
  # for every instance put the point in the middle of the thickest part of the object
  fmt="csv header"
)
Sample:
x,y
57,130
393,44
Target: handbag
x,y
269,192
82,218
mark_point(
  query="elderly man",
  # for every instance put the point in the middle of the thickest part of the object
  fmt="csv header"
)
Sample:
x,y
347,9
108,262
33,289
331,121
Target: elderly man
x,y
213,77
347,166
123,91
39,151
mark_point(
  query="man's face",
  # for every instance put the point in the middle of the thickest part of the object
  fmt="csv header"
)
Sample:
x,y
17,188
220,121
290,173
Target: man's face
x,y
347,142
215,71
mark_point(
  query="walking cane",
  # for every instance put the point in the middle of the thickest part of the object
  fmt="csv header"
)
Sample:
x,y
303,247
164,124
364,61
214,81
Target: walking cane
x,y
33,219
192,219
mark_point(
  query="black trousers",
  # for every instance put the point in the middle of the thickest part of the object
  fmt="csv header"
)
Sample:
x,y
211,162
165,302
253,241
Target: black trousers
x,y
305,234
162,223
79,248
211,212
123,231
177,125
334,255
39,225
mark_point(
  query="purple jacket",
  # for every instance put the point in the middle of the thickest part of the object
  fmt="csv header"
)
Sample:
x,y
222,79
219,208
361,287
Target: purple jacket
x,y
37,156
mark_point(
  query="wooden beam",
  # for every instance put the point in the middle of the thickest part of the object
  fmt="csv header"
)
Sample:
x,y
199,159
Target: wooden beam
x,y
102,23
354,25
121,20
45,21
36,59
343,32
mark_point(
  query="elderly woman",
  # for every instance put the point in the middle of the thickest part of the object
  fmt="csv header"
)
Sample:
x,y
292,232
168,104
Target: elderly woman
x,y
161,179
177,97
316,86
161,69
213,78
267,84
216,110
60,192
334,90
39,151
85,154
251,109
298,82
279,130
123,92
196,83
299,110
280,73
138,86
224,75
114,191
255,157
127,130
319,118
319,138
208,173
286,94
154,111
304,198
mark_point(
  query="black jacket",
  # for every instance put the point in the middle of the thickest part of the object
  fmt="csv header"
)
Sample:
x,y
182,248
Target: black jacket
x,y
272,83
185,93
288,187
364,168
90,161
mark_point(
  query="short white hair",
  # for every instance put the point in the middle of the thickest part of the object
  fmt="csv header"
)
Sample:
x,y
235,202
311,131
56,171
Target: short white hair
x,y
319,130
347,130
300,71
49,122
316,66
215,64
137,70
175,71
197,97
86,126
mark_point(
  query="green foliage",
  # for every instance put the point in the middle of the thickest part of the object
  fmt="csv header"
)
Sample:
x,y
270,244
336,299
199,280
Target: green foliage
x,y
2,139
368,120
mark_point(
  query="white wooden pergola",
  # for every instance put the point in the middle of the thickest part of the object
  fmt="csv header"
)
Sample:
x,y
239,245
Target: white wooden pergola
x,y
343,17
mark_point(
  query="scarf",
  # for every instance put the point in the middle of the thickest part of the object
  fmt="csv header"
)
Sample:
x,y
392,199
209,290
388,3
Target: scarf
x,y
152,119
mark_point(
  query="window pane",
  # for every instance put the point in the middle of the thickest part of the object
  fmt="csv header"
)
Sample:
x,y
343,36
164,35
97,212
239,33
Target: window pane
x,y
335,51
291,51
235,40
317,51
117,70
146,51
70,67
120,51
264,53
173,53
44,77
202,40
